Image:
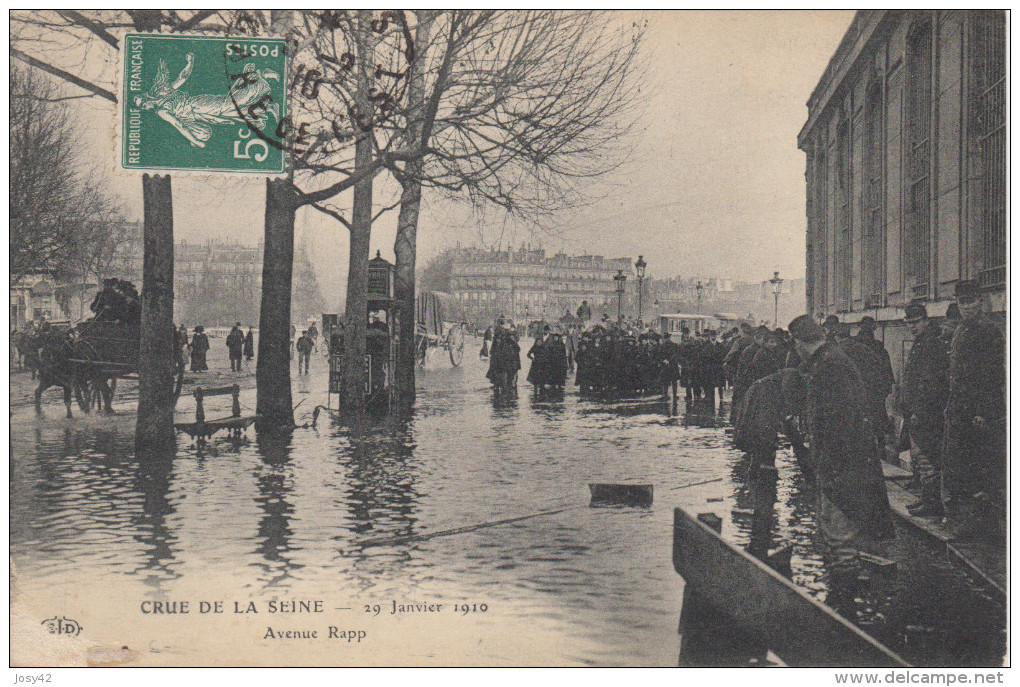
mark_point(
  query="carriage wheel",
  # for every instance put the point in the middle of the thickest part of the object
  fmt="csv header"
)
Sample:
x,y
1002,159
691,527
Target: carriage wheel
x,y
456,343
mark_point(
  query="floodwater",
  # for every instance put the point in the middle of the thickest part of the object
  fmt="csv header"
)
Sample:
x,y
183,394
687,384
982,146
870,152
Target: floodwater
x,y
347,523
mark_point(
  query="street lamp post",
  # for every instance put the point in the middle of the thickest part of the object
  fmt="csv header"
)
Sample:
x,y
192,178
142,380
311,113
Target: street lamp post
x,y
640,266
699,288
621,281
776,282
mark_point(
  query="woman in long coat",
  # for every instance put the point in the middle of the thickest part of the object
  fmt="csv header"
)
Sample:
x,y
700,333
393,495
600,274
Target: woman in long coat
x,y
199,347
249,344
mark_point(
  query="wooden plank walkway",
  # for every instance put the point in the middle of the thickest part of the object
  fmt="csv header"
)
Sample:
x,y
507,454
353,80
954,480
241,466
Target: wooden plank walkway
x,y
982,558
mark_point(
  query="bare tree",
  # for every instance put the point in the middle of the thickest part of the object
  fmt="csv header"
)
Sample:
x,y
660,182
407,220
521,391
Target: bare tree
x,y
76,47
59,214
510,109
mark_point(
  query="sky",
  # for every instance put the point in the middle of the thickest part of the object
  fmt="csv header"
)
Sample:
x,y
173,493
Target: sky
x,y
714,187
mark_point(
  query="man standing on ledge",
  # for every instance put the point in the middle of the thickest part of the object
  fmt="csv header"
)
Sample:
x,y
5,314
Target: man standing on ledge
x,y
925,385
974,452
853,511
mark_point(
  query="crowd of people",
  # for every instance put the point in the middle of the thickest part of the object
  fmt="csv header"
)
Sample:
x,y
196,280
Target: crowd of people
x,y
240,346
828,389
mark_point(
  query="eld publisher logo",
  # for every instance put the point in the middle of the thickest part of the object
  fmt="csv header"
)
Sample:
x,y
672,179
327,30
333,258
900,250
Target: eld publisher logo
x,y
62,626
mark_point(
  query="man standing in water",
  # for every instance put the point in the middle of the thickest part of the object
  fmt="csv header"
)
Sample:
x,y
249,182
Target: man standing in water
x,y
235,347
853,511
304,349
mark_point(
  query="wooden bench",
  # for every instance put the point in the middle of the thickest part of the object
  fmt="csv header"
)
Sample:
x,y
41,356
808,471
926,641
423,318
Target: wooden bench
x,y
201,428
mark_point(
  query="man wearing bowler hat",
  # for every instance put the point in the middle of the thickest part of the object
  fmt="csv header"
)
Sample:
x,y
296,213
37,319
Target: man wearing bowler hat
x,y
853,509
974,451
924,388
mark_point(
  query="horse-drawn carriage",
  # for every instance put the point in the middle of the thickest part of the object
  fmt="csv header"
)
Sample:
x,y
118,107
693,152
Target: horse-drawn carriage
x,y
86,360
439,323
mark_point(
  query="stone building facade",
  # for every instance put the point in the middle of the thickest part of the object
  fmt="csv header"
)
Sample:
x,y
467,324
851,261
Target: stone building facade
x,y
35,298
218,283
528,284
906,167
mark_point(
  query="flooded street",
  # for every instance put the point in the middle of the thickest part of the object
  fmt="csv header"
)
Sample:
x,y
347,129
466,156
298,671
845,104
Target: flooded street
x,y
347,516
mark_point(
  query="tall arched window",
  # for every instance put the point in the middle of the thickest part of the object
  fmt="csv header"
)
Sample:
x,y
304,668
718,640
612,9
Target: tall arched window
x,y
917,216
988,99
873,213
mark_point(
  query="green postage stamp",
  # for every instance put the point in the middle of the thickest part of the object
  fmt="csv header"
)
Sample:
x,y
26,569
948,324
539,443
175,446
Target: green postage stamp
x,y
202,103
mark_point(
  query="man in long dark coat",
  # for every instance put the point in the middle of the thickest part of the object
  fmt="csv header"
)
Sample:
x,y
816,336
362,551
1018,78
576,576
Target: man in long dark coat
x,y
866,336
744,371
877,384
923,399
853,508
974,451
556,361
235,347
537,371
669,360
504,358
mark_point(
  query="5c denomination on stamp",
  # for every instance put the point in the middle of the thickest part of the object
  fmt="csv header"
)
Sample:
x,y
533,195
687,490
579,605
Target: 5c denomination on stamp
x,y
182,111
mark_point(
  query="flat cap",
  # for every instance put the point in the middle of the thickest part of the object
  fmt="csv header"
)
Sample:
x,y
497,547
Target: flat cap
x,y
830,320
803,328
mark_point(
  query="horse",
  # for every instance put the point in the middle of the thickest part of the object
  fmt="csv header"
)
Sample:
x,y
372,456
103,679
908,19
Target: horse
x,y
56,369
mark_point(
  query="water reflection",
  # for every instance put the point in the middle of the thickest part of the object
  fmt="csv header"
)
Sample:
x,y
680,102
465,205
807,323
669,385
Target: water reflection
x,y
380,495
274,484
296,513
153,473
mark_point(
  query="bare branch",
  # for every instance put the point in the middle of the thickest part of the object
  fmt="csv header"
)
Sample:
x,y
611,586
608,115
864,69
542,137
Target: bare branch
x,y
197,19
67,76
326,210
93,26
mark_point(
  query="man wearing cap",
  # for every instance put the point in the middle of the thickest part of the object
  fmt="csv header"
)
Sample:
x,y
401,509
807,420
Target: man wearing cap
x,y
974,451
304,349
923,400
866,336
853,509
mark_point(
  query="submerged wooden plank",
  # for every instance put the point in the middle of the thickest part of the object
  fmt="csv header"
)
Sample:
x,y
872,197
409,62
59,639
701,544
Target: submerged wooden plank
x,y
800,630
621,494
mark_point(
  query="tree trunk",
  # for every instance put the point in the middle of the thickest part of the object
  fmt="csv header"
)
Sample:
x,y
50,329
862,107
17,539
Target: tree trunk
x,y
272,368
406,245
155,424
356,313
405,250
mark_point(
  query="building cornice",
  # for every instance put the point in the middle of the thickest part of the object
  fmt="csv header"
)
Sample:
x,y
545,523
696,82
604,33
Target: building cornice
x,y
866,27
